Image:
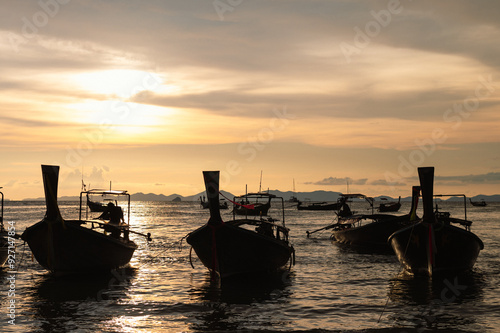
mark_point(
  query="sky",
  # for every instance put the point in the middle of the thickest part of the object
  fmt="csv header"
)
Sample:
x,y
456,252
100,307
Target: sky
x,y
313,94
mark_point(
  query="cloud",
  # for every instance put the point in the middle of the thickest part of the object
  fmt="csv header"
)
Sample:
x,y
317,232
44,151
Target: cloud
x,y
383,182
96,178
267,53
487,178
338,181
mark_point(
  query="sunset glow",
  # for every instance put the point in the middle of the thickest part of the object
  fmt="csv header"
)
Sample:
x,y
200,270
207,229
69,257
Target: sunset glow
x,y
302,100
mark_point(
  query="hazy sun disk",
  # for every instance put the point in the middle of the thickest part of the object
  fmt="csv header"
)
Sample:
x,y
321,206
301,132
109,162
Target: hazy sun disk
x,y
122,83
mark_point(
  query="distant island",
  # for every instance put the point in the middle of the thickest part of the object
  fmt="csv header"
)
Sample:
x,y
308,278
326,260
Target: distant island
x,y
318,196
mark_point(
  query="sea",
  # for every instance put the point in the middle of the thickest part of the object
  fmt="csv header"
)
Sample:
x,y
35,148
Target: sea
x,y
330,288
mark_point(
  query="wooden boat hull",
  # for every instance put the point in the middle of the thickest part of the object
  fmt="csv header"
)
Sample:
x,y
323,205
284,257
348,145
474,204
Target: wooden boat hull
x,y
67,247
373,234
427,248
393,207
238,251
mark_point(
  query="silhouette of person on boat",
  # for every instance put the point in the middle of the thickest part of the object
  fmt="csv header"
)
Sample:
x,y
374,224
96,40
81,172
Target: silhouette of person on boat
x,y
114,214
344,211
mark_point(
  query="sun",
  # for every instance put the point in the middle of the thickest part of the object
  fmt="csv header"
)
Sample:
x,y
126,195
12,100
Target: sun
x,y
115,110
120,83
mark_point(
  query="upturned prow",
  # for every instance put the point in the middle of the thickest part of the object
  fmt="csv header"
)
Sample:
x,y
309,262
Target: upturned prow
x,y
415,193
211,179
426,176
50,175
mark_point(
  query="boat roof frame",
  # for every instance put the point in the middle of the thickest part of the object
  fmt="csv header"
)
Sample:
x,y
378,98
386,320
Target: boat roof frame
x,y
370,200
257,195
117,193
357,196
106,192
455,195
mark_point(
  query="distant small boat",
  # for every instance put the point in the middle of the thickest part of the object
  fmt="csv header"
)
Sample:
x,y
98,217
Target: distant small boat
x,y
481,203
96,206
319,206
253,204
293,198
392,206
434,245
70,246
240,246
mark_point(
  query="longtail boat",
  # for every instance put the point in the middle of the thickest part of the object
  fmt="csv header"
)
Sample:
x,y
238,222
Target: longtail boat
x,y
239,246
371,231
434,245
71,246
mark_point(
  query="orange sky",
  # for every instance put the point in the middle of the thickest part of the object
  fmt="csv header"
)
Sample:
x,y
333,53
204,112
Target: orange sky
x,y
148,95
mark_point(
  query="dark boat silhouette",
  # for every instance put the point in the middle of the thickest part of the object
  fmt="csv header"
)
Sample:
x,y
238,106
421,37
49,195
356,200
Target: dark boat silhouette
x,y
95,206
434,245
319,206
249,205
239,246
481,203
371,231
69,246
392,206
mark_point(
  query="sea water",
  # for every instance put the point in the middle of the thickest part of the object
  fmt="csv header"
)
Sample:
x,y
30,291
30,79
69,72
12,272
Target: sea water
x,y
330,288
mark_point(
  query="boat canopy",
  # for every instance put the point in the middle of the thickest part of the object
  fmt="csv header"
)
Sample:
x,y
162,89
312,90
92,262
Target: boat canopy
x,y
104,192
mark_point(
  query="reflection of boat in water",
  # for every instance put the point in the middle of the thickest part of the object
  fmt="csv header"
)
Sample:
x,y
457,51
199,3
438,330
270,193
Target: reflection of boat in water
x,y
240,246
407,288
480,203
228,306
320,206
391,206
65,246
371,231
108,285
434,245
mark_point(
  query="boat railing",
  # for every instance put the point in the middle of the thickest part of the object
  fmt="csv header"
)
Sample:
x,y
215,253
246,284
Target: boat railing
x,y
281,231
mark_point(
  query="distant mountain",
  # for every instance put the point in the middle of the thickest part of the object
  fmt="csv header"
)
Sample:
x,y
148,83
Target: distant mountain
x,y
302,196
197,197
154,197
487,198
